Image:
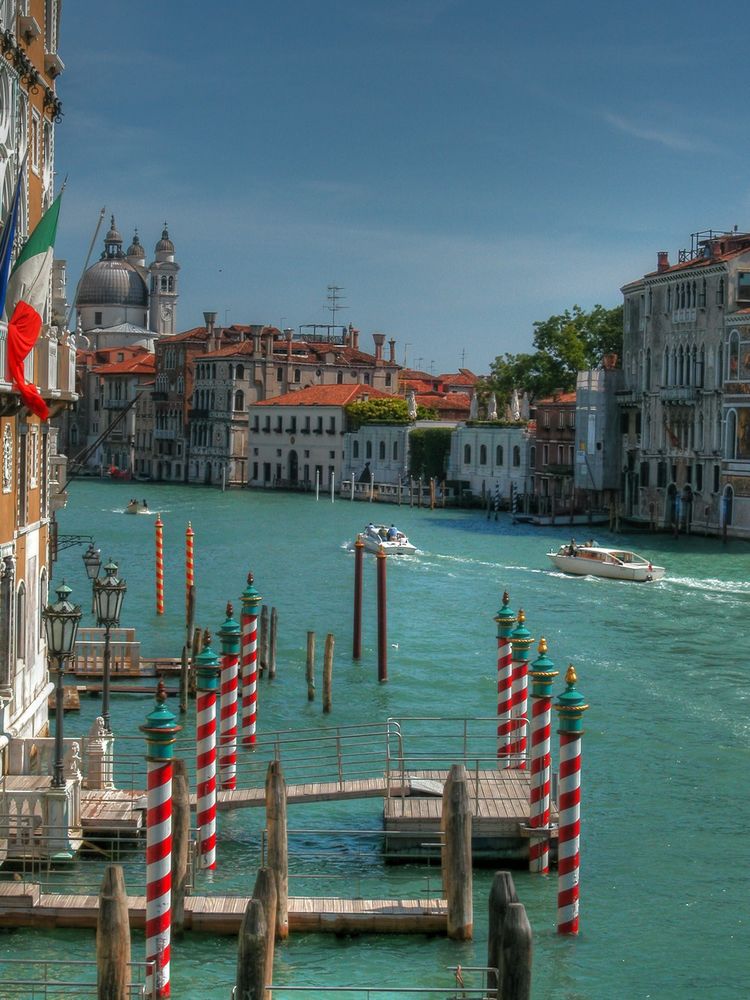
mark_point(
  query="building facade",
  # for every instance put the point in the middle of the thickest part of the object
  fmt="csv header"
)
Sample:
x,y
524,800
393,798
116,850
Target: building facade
x,y
487,459
555,453
735,480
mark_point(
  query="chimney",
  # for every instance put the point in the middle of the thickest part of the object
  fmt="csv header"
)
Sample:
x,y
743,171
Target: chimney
x,y
354,338
392,346
662,261
288,335
379,339
212,340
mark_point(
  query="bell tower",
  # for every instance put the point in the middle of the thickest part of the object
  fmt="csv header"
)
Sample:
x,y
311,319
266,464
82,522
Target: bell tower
x,y
163,287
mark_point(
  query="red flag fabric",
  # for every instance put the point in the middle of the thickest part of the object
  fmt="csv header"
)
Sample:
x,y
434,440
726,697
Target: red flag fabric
x,y
23,330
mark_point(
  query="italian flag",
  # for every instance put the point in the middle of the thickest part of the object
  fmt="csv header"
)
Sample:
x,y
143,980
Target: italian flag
x,y
28,287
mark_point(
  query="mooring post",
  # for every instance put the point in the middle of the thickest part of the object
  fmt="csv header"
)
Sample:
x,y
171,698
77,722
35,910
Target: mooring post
x,y
265,891
515,968
272,636
249,617
229,634
505,619
160,731
113,937
310,666
570,707
180,843
208,670
196,645
252,950
185,663
457,866
521,640
278,854
380,561
263,651
328,673
502,893
359,559
542,674
159,555
189,571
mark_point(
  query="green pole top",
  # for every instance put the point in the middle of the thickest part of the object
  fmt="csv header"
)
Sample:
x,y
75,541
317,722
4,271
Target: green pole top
x,y
208,666
520,637
542,672
571,705
229,634
160,728
505,618
250,597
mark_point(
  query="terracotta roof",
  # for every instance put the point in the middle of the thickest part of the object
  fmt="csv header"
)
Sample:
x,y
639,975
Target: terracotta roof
x,y
244,348
133,366
326,395
444,401
564,397
462,377
102,355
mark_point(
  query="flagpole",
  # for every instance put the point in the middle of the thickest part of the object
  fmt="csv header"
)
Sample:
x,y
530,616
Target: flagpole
x,y
86,263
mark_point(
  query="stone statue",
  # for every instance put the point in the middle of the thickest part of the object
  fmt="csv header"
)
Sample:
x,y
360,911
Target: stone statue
x,y
72,762
492,407
411,402
515,406
474,408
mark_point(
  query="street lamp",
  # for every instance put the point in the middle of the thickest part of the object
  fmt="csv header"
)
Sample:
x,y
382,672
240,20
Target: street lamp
x,y
61,627
92,560
108,597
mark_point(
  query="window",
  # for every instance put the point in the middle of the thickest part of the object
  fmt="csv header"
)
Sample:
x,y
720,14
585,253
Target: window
x,y
532,457
240,372
355,449
36,138
279,374
467,454
717,477
21,622
669,298
339,378
545,455
661,474
297,375
319,425
644,473
720,293
395,451
366,378
560,455
239,400
279,424
734,355
702,295
499,455
368,449
698,478
331,425
381,451
743,286
98,318
545,418
561,418
388,379
482,454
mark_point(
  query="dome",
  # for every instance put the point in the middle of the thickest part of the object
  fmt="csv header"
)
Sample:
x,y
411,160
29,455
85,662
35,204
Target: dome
x,y
165,245
112,282
136,248
113,236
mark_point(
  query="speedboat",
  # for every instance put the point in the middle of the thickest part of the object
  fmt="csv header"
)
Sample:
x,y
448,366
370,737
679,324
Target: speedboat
x,y
388,538
595,560
134,507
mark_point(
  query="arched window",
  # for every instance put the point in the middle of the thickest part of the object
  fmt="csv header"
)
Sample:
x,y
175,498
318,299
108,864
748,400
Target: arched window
x,y
720,293
395,451
21,622
381,451
532,457
499,455
665,370
240,372
647,370
43,593
368,449
669,298
164,282
516,456
170,283
681,367
720,366
239,401
355,448
730,441
339,378
297,375
467,454
734,355
482,454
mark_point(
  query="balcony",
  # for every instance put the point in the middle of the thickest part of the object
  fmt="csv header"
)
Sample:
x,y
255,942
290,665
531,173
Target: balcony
x,y
628,397
558,470
678,395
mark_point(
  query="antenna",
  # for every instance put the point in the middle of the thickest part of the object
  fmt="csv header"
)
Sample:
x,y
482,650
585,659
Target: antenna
x,y
405,349
334,300
85,265
463,358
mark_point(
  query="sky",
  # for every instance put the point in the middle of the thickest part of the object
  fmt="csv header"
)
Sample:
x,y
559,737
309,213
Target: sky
x,y
459,168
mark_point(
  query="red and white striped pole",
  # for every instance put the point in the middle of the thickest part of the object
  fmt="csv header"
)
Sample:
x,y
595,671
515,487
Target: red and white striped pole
x,y
505,621
189,566
570,707
159,527
249,618
229,633
542,674
521,641
160,730
207,684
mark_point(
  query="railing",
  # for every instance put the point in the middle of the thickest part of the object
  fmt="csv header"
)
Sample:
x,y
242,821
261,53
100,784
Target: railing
x,y
125,650
51,979
460,989
678,394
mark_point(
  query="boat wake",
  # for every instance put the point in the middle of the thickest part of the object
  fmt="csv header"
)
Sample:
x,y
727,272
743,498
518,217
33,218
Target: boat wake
x,y
714,586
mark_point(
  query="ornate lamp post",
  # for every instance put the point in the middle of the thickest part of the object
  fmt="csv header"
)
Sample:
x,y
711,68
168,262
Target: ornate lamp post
x,y
108,597
92,560
61,627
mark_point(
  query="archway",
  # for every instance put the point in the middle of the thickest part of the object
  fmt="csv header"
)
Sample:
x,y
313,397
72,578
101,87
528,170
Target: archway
x,y
293,466
670,506
727,505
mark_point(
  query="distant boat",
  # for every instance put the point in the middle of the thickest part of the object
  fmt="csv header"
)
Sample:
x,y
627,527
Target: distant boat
x,y
134,507
375,537
614,564
115,473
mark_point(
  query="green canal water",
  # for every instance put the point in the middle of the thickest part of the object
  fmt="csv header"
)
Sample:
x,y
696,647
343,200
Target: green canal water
x,y
664,667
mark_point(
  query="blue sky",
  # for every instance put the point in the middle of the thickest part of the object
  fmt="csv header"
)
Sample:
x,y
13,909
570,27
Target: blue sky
x,y
460,167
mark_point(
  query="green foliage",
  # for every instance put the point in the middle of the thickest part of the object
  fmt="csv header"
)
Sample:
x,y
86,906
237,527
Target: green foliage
x,y
426,413
378,411
565,344
429,448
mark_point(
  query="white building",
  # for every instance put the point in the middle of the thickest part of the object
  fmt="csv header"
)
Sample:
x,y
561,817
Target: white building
x,y
735,498
486,458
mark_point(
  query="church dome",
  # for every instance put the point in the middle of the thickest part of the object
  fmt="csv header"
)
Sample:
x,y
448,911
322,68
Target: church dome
x,y
113,236
136,248
112,281
165,245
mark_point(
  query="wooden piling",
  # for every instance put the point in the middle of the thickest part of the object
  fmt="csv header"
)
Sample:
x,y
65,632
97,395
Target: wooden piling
x,y
252,952
186,657
264,890
278,856
263,652
196,647
502,894
456,854
359,560
310,666
180,843
272,634
113,937
184,674
515,978
328,673
380,560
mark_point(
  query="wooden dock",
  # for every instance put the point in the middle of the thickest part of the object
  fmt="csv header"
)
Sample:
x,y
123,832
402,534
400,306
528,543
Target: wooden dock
x,y
25,905
71,700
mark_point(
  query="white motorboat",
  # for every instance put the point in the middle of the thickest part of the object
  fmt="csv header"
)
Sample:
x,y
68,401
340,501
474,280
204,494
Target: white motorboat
x,y
135,507
392,541
595,560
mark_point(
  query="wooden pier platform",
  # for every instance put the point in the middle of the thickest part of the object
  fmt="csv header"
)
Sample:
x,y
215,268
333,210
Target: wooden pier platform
x,y
24,905
71,700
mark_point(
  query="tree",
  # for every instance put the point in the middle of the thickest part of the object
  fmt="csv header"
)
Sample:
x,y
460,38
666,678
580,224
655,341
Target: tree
x,y
566,344
392,410
429,448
